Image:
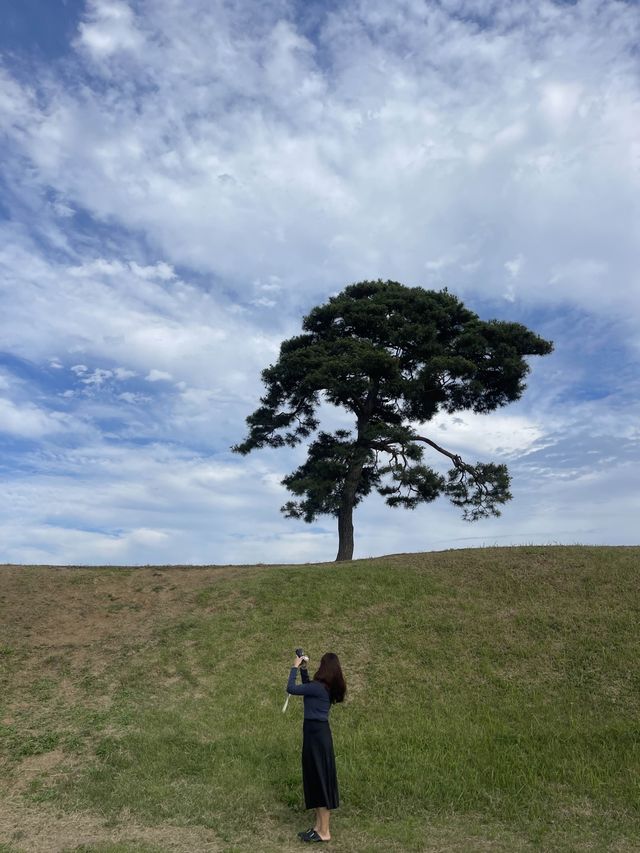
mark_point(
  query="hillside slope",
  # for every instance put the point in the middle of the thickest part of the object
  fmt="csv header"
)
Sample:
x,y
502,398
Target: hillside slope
x,y
493,703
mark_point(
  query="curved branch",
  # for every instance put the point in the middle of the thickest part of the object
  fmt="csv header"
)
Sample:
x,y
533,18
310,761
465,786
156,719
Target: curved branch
x,y
460,464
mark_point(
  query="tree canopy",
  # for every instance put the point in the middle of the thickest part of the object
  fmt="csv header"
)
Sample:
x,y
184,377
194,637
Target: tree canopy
x,y
393,356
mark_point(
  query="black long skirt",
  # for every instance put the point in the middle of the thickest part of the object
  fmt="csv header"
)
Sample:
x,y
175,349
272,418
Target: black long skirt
x,y
319,778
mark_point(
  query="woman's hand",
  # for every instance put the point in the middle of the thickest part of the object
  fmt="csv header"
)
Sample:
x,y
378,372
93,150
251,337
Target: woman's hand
x,y
297,661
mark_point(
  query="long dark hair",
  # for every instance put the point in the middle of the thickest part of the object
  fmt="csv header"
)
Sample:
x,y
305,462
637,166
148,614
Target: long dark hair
x,y
330,674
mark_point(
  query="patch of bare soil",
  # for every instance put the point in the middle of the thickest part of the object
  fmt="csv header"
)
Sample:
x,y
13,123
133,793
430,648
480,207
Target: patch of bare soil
x,y
57,625
60,625
43,829
71,609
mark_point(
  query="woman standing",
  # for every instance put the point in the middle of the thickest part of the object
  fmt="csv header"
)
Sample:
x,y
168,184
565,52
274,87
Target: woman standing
x,y
319,778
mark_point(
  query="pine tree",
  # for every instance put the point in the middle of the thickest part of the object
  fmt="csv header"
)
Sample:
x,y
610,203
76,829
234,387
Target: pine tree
x,y
392,356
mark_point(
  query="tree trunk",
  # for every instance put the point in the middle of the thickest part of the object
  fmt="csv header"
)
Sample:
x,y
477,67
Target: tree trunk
x,y
347,503
351,483
345,532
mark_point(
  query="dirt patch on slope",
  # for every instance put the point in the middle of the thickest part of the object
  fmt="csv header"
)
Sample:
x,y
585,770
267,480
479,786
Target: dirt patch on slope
x,y
47,830
60,625
72,607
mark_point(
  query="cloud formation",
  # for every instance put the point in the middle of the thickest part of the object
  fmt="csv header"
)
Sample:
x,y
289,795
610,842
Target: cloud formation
x,y
188,179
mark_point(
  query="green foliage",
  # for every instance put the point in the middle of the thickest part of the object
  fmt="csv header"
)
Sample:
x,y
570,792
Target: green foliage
x,y
322,477
393,357
472,493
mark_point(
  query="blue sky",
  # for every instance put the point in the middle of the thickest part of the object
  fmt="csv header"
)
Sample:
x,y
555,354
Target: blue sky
x,y
181,180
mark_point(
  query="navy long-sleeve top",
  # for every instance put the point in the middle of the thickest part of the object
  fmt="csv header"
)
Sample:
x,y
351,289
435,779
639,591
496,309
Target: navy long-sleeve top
x,y
316,695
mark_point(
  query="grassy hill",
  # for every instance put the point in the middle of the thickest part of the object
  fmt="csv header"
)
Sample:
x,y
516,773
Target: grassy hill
x,y
494,703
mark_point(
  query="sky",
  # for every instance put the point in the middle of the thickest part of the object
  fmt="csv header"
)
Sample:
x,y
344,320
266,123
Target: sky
x,y
181,181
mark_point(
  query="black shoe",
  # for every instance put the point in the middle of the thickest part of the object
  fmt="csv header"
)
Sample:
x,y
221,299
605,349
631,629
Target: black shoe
x,y
302,835
312,836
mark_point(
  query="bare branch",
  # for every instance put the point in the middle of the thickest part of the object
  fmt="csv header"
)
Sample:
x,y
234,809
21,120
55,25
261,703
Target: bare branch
x,y
460,464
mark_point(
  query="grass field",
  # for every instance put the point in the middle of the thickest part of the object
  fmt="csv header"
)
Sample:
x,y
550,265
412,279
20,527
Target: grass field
x,y
493,705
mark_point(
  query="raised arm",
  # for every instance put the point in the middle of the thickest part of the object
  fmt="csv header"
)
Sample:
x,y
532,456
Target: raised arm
x,y
308,688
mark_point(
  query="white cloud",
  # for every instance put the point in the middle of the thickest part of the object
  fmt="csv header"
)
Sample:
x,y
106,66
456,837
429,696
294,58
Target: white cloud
x,y
157,375
580,271
559,102
110,28
122,373
98,377
158,326
215,169
486,436
28,421
514,266
100,503
396,140
134,398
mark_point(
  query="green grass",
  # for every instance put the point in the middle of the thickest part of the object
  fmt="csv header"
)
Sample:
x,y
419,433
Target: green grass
x,y
494,700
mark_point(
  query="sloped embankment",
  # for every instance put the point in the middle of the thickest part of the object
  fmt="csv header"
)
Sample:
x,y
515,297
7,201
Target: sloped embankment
x,y
493,703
